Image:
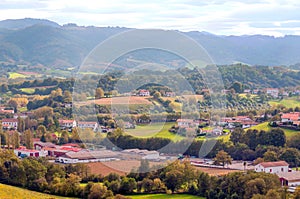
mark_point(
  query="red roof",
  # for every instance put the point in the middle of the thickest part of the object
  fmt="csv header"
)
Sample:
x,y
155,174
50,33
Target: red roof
x,y
9,120
291,116
274,164
66,121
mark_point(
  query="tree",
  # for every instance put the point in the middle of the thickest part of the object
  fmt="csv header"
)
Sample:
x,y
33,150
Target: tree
x,y
28,139
255,186
273,194
270,156
222,158
237,135
128,185
99,93
291,156
99,191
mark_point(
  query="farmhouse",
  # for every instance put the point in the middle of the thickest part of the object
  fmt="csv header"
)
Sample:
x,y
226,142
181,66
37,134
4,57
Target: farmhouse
x,y
170,94
86,156
4,110
144,92
67,123
272,167
10,123
272,92
290,117
88,125
186,123
289,178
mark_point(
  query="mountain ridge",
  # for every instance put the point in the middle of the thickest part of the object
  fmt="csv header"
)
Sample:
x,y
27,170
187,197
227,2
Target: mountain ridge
x,y
40,41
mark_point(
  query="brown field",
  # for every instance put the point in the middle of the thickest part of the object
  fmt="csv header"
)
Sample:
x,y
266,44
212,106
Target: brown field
x,y
120,167
197,97
28,73
119,100
216,171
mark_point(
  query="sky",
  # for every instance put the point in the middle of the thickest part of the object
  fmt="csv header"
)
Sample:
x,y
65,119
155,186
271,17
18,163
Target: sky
x,y
221,17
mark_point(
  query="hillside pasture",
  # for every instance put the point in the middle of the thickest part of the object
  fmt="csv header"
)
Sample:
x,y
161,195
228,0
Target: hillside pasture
x,y
11,192
265,126
292,102
15,75
118,100
154,130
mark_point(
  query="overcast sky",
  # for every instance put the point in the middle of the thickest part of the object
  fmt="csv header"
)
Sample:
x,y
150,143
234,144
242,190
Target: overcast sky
x,y
223,17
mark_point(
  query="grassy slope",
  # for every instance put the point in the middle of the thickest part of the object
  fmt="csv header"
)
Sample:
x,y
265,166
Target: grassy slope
x,y
154,130
288,102
11,192
162,196
14,75
28,90
264,126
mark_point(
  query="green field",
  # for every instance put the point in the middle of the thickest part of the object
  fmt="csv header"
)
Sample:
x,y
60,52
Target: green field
x,y
163,196
154,130
288,103
28,90
14,75
264,126
11,192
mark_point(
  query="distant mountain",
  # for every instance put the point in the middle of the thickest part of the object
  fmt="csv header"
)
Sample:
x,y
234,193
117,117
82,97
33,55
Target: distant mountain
x,y
39,41
24,23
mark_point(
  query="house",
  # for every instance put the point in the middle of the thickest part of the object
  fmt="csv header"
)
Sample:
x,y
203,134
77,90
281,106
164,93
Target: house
x,y
170,94
255,91
247,91
272,92
86,156
24,152
64,124
290,117
186,123
272,167
88,125
6,110
10,123
289,178
144,92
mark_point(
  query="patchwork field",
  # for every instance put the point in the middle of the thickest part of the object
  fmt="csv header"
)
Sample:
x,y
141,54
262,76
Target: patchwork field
x,y
11,192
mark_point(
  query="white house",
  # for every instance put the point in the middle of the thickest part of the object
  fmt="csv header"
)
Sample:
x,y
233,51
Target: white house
x,y
67,123
90,125
9,123
186,123
291,179
290,117
170,94
272,92
272,167
144,92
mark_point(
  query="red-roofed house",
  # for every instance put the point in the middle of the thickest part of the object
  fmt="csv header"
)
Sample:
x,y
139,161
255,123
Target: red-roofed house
x,y
88,125
67,123
9,123
290,117
272,167
144,92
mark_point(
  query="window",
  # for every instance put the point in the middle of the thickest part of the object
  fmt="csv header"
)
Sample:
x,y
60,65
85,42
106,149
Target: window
x,y
282,169
270,170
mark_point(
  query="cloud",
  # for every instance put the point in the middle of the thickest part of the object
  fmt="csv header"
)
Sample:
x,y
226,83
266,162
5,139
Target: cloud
x,y
275,17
